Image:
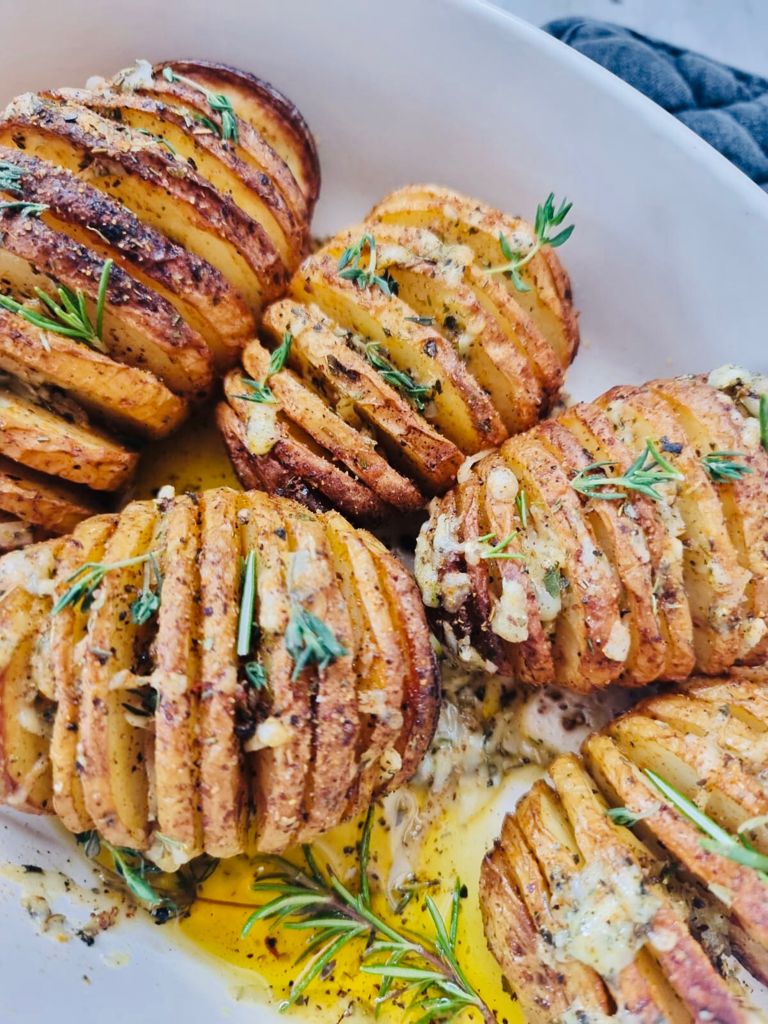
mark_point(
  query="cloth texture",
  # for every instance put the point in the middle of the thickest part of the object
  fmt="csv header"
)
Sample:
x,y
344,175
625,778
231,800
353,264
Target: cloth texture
x,y
726,107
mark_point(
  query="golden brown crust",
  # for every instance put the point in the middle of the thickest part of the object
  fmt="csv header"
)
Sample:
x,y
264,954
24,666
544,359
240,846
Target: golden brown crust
x,y
42,501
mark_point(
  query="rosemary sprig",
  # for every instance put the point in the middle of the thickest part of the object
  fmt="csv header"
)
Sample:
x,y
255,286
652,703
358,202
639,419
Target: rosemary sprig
x,y
247,605
717,839
763,420
499,549
623,816
10,178
260,390
547,217
69,316
220,105
24,208
87,579
648,470
148,601
521,504
310,642
424,968
418,394
350,270
722,469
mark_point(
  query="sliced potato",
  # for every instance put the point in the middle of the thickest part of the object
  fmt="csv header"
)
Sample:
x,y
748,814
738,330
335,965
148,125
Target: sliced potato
x,y
38,499
223,781
198,292
462,410
113,750
139,328
347,380
68,627
145,177
464,221
133,399
44,441
262,106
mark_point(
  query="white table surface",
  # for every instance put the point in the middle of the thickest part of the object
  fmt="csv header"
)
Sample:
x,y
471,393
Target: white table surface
x,y
734,31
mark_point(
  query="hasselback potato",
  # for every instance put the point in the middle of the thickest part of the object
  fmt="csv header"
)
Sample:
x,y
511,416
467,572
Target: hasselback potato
x,y
207,673
145,224
406,344
625,540
633,882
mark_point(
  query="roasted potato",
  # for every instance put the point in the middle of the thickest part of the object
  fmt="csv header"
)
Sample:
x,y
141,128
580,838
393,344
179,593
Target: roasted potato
x,y
638,538
38,499
199,705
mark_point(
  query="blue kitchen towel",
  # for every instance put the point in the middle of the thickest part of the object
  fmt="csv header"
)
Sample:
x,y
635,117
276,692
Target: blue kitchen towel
x,y
726,107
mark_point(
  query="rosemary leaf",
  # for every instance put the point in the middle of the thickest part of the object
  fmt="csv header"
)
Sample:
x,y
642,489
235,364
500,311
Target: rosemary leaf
x,y
763,420
722,468
648,470
310,642
86,580
256,675
247,605
24,208
148,601
547,217
499,550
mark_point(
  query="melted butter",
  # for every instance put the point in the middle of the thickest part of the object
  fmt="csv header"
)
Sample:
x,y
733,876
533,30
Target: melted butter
x,y
462,828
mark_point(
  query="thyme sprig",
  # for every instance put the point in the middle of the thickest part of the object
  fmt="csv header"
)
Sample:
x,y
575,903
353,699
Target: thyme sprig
x,y
499,548
219,103
423,969
547,217
148,601
69,316
364,277
717,840
648,470
260,390
722,468
418,394
310,642
86,580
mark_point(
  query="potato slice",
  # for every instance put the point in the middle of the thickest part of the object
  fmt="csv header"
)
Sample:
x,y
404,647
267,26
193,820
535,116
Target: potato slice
x,y
430,280
421,685
212,159
266,109
145,177
176,679
715,583
380,663
114,751
590,642
198,292
270,433
132,399
223,778
713,423
140,328
347,380
459,219
618,535
42,501
594,431
314,589
343,443
68,627
280,772
42,440
462,410
14,533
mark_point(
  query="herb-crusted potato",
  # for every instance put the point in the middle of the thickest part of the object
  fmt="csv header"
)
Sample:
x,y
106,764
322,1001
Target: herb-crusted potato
x,y
622,540
210,668
427,348
580,907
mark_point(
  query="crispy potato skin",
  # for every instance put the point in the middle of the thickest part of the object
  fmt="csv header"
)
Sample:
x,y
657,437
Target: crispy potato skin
x,y
627,584
226,765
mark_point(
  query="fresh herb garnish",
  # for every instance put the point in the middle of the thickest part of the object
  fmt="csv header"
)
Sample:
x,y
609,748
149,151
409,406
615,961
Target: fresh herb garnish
x,y
623,816
247,605
24,208
423,321
148,601
69,316
148,703
417,394
763,420
159,139
87,579
256,675
648,470
499,549
547,217
717,840
220,104
10,178
310,642
554,581
521,504
425,968
722,469
260,390
350,270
